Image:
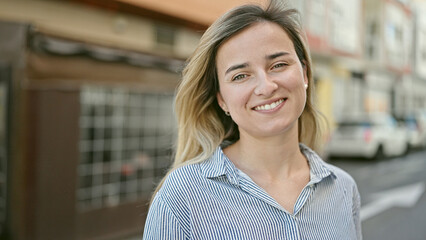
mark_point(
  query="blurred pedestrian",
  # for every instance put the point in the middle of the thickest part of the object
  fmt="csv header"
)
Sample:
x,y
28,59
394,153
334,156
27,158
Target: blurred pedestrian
x,y
244,166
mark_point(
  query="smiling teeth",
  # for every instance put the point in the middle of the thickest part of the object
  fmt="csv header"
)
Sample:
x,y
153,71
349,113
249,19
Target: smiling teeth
x,y
269,106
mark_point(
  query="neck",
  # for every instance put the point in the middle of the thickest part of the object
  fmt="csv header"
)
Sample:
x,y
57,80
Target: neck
x,y
271,157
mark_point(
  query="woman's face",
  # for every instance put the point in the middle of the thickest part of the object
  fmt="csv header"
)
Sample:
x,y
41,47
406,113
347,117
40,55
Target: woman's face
x,y
261,81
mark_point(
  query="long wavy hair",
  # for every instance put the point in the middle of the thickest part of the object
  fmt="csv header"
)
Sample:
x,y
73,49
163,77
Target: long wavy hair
x,y
202,124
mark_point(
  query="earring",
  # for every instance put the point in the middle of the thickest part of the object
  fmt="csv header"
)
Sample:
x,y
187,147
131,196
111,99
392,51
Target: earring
x,y
227,113
306,86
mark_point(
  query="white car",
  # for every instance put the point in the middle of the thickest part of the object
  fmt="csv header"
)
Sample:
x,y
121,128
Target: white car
x,y
369,136
416,128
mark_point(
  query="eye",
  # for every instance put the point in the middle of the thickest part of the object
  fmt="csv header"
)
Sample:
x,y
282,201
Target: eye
x,y
278,65
239,77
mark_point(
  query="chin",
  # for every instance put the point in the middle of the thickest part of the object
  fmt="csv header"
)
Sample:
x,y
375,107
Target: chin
x,y
283,129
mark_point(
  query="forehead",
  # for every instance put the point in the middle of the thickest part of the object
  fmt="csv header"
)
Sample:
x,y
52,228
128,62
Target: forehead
x,y
262,37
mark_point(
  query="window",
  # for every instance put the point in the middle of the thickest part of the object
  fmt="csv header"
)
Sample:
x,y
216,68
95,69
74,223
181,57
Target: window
x,y
125,145
165,35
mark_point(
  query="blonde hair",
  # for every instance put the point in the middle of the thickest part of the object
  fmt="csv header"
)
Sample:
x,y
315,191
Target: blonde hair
x,y
202,124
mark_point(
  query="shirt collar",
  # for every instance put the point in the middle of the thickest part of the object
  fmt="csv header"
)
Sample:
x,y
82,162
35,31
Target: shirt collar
x,y
219,165
318,168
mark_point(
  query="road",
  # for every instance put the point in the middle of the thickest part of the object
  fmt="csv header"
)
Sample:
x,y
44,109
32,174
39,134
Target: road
x,y
393,196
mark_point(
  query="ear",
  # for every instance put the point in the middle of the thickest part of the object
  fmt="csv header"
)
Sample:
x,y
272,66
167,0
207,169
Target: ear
x,y
221,102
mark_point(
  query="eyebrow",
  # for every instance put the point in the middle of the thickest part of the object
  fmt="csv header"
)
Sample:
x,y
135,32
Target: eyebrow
x,y
275,55
235,67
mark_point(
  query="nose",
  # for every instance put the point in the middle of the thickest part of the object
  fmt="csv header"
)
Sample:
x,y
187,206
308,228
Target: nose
x,y
266,85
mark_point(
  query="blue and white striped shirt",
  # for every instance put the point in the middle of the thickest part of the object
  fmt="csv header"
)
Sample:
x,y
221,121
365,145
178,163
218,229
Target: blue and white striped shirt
x,y
215,200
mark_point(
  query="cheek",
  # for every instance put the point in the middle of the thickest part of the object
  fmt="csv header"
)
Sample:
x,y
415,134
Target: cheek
x,y
296,84
235,97
296,80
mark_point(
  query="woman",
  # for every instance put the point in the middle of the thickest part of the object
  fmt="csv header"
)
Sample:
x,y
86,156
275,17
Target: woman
x,y
244,168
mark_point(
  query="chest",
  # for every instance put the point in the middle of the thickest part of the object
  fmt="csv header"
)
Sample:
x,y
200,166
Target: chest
x,y
248,216
286,193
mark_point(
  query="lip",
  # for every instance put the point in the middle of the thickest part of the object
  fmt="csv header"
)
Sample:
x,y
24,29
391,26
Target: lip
x,y
270,102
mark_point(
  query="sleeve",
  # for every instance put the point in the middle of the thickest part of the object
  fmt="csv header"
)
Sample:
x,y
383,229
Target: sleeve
x,y
161,223
356,208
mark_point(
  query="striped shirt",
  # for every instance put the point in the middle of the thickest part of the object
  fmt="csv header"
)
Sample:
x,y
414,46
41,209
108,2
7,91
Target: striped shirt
x,y
215,200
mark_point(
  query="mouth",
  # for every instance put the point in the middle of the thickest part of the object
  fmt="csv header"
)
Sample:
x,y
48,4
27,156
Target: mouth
x,y
270,106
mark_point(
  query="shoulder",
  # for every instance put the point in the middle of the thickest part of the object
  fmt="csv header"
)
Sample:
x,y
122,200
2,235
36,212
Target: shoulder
x,y
344,181
178,187
180,178
169,212
184,172
340,174
322,168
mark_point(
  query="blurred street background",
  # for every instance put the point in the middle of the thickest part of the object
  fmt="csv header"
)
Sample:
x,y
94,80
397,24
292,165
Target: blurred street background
x,y
86,108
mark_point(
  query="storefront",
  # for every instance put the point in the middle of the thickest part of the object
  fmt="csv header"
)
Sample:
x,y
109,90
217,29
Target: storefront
x,y
93,129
